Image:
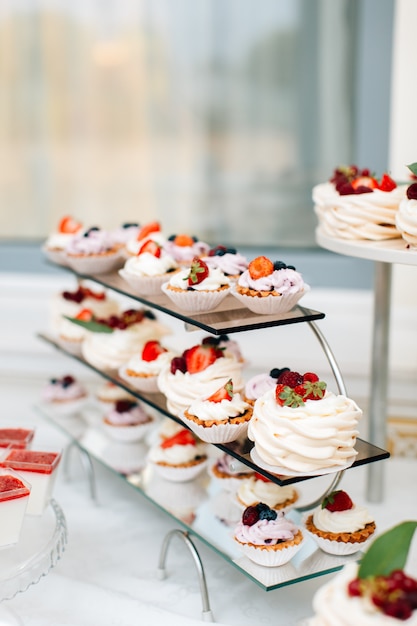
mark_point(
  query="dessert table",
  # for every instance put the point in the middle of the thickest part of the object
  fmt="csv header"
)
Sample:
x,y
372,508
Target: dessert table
x,y
384,254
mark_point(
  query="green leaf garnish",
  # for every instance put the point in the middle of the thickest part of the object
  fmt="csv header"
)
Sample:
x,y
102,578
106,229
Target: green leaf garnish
x,y
413,168
388,552
94,327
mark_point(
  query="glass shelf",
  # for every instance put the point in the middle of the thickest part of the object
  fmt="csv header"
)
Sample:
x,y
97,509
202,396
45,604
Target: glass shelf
x,y
201,505
41,544
229,317
367,453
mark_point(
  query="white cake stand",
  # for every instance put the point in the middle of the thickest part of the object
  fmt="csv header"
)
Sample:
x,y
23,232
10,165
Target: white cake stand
x,y
41,544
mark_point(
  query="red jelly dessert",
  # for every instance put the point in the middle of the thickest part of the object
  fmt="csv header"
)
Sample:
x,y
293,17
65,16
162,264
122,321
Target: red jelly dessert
x,y
15,437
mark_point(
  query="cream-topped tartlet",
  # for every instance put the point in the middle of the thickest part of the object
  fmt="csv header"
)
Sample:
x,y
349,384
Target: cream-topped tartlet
x,y
149,269
257,488
142,369
180,457
57,242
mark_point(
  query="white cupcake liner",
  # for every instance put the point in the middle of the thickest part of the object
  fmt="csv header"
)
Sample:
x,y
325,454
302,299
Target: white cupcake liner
x,y
128,434
269,305
95,264
180,474
270,558
195,301
55,255
144,285
218,433
69,407
148,384
338,548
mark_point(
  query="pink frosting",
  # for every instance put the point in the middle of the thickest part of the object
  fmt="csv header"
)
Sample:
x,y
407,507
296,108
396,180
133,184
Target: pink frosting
x,y
285,281
185,254
230,264
258,385
267,532
135,415
92,242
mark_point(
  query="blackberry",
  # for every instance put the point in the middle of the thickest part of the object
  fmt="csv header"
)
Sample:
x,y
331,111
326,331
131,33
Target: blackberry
x,y
265,512
276,371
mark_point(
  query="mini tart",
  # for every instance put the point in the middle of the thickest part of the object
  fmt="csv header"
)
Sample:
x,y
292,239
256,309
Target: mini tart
x,y
239,419
182,472
272,555
213,431
340,543
195,301
266,302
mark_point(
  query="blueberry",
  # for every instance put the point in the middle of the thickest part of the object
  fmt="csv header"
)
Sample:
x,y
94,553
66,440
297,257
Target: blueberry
x,y
279,265
171,237
150,315
231,250
265,512
276,372
130,225
290,267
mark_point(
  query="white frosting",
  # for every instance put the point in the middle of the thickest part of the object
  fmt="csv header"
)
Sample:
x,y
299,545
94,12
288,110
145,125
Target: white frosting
x,y
319,434
150,368
60,307
133,245
334,607
146,264
109,392
215,280
177,454
406,221
110,351
285,282
181,389
252,490
348,521
218,411
59,241
358,216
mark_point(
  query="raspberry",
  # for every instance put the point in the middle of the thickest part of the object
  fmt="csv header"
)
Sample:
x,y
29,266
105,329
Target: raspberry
x,y
250,516
310,377
412,192
178,363
291,379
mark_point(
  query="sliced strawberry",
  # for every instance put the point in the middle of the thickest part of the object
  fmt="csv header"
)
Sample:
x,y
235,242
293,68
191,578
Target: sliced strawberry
x,y
198,272
152,350
262,477
86,315
337,501
260,267
387,183
224,393
89,293
147,229
183,240
198,358
365,181
152,247
181,438
290,378
69,225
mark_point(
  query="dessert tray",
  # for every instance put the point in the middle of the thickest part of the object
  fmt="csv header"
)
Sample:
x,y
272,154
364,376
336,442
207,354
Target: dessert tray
x,y
41,545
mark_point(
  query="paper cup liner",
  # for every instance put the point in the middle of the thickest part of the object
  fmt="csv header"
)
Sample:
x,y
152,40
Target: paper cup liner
x,y
338,548
195,301
95,264
218,433
128,434
144,285
148,384
56,256
269,305
270,558
180,474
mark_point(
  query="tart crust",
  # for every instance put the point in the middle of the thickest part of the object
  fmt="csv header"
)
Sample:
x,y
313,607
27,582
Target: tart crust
x,y
359,536
239,419
297,539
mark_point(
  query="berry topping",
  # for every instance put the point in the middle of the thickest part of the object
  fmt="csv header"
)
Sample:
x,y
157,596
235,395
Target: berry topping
x,y
123,406
224,393
67,381
68,225
250,516
221,251
387,183
182,438
289,378
147,229
412,192
351,180
152,350
152,247
199,357
276,372
365,181
183,241
85,315
262,477
337,501
178,363
293,389
130,225
198,272
260,267
395,595
265,512
280,265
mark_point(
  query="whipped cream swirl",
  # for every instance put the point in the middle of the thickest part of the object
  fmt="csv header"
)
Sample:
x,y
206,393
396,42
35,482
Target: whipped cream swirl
x,y
348,521
284,281
146,264
253,490
218,411
215,280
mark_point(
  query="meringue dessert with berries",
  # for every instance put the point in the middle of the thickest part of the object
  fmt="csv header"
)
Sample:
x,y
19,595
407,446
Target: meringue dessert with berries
x,y
354,204
406,217
302,427
258,488
378,592
228,260
197,288
221,417
149,269
150,231
180,457
258,384
267,537
269,288
197,373
183,248
65,395
127,421
339,526
57,242
142,369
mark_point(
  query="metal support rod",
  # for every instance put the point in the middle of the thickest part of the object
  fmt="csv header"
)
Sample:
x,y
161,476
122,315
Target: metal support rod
x,y
87,465
379,376
161,572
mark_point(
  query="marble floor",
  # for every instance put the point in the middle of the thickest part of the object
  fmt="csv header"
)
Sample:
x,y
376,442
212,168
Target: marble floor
x,y
108,572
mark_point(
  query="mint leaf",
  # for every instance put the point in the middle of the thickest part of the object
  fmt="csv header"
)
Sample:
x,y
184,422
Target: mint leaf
x,y
413,168
388,552
94,327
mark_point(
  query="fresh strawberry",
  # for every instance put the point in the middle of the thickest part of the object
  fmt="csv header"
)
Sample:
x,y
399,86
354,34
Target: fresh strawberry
x,y
86,315
224,393
292,379
262,477
314,390
183,240
337,501
69,225
89,293
387,183
152,350
182,438
365,181
260,267
152,247
199,357
286,396
198,272
124,406
147,229
310,377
